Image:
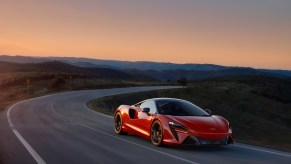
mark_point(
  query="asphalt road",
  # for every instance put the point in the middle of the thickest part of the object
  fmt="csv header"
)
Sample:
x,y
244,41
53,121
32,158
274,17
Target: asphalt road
x,y
60,128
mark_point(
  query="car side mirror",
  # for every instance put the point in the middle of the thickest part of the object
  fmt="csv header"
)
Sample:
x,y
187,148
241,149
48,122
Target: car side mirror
x,y
208,111
146,110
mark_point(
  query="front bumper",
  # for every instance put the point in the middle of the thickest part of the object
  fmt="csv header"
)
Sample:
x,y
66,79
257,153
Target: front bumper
x,y
177,137
192,140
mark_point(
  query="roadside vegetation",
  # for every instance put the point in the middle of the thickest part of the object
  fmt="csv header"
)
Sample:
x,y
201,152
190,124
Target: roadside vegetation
x,y
258,107
19,86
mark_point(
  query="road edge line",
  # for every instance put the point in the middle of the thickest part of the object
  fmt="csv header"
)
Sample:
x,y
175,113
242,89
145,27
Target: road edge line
x,y
29,148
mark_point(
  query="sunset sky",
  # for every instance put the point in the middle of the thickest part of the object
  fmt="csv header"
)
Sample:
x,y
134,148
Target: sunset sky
x,y
254,33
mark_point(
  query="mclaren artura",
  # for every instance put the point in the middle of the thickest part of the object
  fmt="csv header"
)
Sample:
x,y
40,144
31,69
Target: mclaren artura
x,y
172,121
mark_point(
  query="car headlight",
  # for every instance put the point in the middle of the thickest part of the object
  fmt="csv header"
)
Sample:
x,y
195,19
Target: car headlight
x,y
177,125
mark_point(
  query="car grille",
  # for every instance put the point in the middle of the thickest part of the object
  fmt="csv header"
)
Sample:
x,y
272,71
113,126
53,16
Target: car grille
x,y
192,140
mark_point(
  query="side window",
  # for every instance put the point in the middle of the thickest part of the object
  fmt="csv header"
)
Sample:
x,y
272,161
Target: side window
x,y
151,105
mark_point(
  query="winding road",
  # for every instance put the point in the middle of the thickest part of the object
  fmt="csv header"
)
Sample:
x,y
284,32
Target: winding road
x,y
59,128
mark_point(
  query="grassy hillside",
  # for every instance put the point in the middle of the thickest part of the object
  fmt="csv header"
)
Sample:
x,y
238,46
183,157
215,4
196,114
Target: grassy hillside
x,y
21,81
258,107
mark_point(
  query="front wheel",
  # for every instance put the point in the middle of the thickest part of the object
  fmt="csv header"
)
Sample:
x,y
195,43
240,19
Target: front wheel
x,y
157,134
118,124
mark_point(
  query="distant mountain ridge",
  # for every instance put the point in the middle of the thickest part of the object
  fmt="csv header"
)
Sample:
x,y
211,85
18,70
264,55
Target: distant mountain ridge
x,y
57,67
156,70
87,62
172,75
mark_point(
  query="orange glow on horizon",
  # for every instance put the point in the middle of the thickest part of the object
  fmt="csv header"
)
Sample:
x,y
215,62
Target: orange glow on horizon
x,y
233,33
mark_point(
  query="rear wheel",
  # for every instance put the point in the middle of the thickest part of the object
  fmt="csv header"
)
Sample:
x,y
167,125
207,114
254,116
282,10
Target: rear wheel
x,y
157,134
118,124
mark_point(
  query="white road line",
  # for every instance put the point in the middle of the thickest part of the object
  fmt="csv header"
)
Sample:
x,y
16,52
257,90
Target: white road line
x,y
136,144
32,152
266,151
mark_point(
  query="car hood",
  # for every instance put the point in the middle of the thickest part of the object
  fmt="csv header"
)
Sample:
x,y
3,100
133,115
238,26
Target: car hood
x,y
207,124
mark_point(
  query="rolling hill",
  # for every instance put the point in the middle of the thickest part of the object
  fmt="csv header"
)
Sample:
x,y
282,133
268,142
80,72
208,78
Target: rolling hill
x,y
56,67
145,70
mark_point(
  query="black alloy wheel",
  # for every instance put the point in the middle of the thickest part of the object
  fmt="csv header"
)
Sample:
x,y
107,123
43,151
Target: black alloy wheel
x,y
157,133
118,124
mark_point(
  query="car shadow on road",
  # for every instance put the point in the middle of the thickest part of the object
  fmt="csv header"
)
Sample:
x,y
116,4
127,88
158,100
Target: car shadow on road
x,y
186,148
200,148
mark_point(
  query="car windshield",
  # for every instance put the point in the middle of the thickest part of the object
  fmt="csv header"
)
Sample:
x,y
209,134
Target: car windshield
x,y
179,108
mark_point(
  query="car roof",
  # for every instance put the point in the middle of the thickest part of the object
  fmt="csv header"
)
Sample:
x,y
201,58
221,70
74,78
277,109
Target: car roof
x,y
162,98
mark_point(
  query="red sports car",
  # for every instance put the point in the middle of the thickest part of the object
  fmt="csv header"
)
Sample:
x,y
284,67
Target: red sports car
x,y
172,121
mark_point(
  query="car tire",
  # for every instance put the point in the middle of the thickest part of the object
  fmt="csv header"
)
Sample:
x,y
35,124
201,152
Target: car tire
x,y
118,123
157,133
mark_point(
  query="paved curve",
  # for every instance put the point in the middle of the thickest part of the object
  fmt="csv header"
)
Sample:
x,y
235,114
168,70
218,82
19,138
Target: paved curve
x,y
60,128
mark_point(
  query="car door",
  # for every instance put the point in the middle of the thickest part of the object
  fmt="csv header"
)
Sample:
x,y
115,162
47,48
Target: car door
x,y
133,122
145,118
